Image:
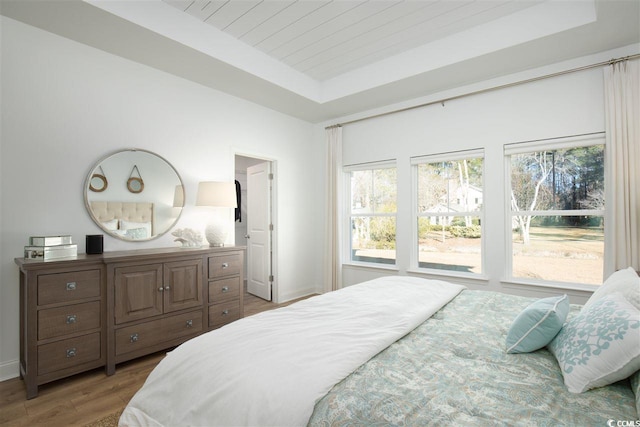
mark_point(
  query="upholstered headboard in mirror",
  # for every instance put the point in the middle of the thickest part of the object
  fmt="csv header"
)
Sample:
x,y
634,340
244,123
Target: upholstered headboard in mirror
x,y
134,195
129,220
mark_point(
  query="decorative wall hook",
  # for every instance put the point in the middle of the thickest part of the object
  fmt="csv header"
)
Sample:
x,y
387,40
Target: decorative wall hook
x,y
135,184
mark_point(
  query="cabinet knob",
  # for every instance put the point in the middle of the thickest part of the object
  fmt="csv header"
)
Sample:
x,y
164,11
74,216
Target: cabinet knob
x,y
71,318
225,289
225,265
224,313
189,323
133,338
71,286
166,288
71,352
160,289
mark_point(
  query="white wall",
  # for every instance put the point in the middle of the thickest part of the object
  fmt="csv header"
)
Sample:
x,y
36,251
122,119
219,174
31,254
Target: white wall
x,y
568,105
66,105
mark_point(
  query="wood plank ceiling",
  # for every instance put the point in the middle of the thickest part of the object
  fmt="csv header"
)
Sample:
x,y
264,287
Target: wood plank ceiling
x,y
324,39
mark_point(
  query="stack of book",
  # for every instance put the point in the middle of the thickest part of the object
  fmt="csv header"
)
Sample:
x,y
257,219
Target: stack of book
x,y
50,247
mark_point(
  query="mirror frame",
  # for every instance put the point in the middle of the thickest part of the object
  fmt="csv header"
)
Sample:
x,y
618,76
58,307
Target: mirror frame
x,y
92,175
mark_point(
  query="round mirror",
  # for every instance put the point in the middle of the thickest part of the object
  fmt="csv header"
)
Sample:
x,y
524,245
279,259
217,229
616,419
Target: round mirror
x,y
122,209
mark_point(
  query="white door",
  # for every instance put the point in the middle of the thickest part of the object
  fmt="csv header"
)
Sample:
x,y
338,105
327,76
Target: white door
x,y
258,230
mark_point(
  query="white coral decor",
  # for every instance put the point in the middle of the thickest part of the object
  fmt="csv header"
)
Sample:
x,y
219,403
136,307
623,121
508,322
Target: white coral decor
x,y
188,237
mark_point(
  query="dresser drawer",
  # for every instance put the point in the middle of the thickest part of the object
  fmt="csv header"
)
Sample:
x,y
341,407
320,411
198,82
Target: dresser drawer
x,y
224,265
132,338
221,314
224,289
68,353
60,321
64,287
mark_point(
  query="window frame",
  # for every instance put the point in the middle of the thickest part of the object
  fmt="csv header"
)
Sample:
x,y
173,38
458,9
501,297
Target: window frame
x,y
560,143
349,215
415,214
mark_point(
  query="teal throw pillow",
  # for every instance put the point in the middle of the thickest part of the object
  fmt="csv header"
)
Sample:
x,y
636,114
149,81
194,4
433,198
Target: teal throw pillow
x,y
600,345
537,324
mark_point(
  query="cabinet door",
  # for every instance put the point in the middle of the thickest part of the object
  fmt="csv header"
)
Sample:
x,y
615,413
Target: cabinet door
x,y
138,292
183,285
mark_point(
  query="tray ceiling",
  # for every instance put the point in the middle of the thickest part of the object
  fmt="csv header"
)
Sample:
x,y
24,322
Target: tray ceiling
x,y
320,59
324,39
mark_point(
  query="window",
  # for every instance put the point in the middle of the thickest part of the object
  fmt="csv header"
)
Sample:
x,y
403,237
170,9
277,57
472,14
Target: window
x,y
372,213
449,211
556,192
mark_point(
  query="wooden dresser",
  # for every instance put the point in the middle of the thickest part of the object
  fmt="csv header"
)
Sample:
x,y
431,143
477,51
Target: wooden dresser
x,y
99,310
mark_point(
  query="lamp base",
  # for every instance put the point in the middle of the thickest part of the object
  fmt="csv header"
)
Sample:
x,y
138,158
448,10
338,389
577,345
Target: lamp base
x,y
216,234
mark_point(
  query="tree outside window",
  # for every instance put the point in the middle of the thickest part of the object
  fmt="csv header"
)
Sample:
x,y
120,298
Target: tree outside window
x,y
373,209
449,212
557,213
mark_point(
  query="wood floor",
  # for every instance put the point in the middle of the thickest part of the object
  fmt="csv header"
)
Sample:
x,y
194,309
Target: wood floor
x,y
84,398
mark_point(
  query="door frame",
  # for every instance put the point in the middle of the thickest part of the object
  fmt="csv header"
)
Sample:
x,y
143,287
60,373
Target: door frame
x,y
273,205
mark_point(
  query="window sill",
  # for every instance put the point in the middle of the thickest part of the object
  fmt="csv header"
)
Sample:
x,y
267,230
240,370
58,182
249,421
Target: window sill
x,y
519,283
387,267
449,274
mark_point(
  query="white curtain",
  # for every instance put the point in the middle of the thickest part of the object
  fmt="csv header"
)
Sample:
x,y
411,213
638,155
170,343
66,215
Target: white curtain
x,y
622,109
332,262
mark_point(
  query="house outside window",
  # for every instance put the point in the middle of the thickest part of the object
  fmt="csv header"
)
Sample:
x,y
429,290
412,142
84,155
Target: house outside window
x,y
372,213
556,210
449,211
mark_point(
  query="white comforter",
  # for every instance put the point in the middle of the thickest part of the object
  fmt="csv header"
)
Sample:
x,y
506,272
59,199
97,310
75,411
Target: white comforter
x,y
270,369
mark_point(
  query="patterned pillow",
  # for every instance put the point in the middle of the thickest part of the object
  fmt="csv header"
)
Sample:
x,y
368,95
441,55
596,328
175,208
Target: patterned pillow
x,y
599,346
537,324
136,233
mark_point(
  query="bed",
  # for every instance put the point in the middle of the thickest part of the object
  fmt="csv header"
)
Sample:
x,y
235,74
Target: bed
x,y
403,351
129,220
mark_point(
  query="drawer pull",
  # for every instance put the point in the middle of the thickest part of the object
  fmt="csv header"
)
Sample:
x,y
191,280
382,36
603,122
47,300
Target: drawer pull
x,y
225,289
71,318
71,286
224,313
225,265
133,338
71,352
189,323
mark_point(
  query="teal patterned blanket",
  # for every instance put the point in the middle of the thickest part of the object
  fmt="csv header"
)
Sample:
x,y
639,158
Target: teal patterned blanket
x,y
453,370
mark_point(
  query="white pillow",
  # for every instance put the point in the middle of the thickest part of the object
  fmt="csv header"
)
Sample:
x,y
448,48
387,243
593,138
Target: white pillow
x,y
624,281
128,225
599,346
110,225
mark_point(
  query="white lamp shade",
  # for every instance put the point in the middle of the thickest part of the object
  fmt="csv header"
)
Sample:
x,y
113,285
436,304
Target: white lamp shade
x,y
217,194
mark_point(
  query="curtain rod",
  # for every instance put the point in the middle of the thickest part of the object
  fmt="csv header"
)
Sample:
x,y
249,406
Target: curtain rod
x,y
490,89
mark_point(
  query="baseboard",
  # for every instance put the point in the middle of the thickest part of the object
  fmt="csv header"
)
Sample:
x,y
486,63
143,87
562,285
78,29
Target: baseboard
x,y
9,370
298,294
